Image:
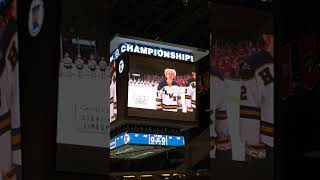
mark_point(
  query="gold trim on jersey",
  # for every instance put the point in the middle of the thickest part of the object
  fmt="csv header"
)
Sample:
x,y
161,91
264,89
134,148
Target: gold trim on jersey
x,y
5,123
221,115
250,112
266,129
188,97
16,139
11,174
212,143
169,106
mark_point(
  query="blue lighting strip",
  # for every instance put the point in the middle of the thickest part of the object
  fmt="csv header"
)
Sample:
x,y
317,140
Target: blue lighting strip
x,y
146,139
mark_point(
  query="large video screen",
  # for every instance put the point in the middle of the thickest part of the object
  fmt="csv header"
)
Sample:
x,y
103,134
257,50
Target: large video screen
x,y
10,133
160,88
242,93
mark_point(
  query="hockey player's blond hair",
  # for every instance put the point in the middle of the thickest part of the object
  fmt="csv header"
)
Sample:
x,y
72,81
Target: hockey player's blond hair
x,y
168,70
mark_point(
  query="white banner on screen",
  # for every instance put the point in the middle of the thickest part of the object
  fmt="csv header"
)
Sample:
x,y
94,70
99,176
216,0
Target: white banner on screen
x,y
143,97
83,112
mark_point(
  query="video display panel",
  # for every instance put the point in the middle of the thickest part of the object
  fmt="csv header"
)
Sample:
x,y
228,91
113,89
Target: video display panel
x,y
242,92
161,88
10,133
146,139
113,92
82,116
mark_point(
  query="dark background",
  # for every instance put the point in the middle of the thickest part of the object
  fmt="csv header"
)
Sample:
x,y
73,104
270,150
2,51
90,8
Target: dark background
x,y
152,19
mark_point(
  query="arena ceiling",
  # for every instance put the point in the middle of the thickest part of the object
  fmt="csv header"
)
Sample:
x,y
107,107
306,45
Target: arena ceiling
x,y
163,20
172,21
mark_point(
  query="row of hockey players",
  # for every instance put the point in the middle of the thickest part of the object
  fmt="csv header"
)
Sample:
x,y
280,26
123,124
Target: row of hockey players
x,y
139,82
10,137
80,70
256,108
170,96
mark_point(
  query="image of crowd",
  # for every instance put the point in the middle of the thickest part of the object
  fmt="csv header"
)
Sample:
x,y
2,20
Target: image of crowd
x,y
227,56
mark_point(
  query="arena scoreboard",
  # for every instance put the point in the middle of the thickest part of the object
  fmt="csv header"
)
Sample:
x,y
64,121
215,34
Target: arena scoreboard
x,y
146,139
153,81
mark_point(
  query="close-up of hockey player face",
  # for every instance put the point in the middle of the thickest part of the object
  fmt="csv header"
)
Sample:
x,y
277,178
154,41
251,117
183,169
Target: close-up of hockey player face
x,y
170,75
194,75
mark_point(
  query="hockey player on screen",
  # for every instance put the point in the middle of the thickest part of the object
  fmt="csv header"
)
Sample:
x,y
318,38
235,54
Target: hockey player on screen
x,y
102,67
168,92
79,66
256,102
190,92
10,140
92,64
113,93
220,140
67,64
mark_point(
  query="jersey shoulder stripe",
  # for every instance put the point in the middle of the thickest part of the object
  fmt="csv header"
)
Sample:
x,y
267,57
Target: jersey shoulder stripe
x,y
221,115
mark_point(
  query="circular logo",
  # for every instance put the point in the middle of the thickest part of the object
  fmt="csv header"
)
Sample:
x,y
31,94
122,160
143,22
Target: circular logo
x,y
126,138
36,16
121,66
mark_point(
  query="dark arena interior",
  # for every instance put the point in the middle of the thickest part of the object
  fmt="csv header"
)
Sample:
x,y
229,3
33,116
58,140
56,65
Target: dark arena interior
x,y
163,141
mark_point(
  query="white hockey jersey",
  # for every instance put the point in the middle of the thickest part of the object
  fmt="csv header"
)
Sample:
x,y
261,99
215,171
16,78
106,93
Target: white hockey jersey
x,y
79,70
190,94
257,103
13,79
9,102
92,64
67,67
67,62
219,130
102,73
79,63
113,98
168,97
102,65
5,126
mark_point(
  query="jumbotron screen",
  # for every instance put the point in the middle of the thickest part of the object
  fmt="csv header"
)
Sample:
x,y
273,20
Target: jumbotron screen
x,y
162,89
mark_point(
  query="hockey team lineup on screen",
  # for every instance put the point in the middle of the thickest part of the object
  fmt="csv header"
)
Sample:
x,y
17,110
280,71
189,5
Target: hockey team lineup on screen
x,y
168,92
